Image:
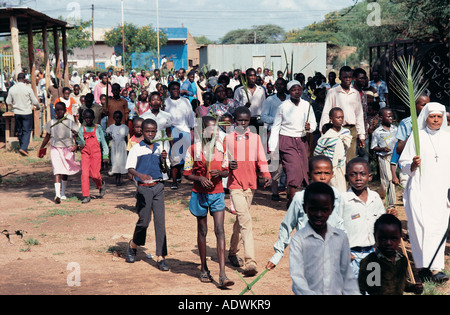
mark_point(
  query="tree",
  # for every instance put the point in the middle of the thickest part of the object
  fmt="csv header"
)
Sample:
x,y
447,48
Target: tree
x,y
137,40
203,40
262,34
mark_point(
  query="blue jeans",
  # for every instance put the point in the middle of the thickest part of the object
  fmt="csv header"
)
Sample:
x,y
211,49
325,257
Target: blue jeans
x,y
24,127
359,255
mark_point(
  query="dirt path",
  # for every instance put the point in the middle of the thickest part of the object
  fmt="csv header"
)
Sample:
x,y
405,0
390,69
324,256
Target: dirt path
x,y
94,238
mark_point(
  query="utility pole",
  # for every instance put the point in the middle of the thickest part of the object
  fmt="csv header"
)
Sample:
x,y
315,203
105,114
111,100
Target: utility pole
x,y
157,32
93,41
123,40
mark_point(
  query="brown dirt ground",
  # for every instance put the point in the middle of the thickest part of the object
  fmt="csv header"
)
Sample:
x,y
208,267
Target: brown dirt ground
x,y
95,236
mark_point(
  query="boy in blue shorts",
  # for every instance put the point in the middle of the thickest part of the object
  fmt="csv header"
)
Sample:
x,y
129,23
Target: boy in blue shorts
x,y
206,165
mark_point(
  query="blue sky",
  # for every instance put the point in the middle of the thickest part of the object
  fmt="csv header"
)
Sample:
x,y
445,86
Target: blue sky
x,y
212,19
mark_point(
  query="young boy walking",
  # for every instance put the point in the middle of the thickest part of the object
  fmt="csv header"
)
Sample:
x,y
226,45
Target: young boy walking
x,y
248,158
146,163
318,257
334,144
206,164
383,143
320,171
389,277
359,208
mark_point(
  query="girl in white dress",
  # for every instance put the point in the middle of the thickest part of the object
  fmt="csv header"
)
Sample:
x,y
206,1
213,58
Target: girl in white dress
x,y
118,132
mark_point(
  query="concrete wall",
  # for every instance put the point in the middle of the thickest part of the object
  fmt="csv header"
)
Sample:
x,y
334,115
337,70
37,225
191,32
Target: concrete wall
x,y
83,57
230,57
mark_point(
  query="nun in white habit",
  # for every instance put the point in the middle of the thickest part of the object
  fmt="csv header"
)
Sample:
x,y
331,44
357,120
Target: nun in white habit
x,y
426,193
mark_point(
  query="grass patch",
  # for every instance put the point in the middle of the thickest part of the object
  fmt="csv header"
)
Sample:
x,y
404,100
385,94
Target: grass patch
x,y
63,212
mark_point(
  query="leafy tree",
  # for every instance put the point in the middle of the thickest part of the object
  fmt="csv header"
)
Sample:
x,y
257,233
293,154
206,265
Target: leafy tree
x,y
137,40
203,40
262,34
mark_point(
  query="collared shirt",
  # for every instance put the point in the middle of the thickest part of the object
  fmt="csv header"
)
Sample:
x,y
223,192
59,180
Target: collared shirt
x,y
163,119
269,109
404,129
290,121
383,138
22,97
359,217
145,160
247,150
351,105
296,218
393,277
321,266
181,112
382,89
256,99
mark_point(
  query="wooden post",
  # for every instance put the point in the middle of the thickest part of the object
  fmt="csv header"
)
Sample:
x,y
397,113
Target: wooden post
x,y
15,45
57,55
32,66
48,81
65,59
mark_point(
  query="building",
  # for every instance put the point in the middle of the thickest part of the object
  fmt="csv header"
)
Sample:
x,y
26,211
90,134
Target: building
x,y
308,57
181,51
82,58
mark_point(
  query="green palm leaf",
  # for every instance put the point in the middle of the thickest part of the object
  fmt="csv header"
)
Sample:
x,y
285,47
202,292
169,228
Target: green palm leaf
x,y
406,84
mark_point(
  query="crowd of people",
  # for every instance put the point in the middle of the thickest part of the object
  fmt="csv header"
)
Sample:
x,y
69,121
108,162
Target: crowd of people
x,y
310,138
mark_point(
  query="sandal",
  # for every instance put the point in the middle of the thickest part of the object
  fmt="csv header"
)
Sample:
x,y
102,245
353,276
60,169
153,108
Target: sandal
x,y
205,277
225,282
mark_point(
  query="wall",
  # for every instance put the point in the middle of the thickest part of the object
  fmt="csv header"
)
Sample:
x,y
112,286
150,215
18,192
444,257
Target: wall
x,y
230,57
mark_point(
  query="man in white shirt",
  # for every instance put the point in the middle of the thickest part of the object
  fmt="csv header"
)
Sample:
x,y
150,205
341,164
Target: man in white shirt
x,y
348,99
293,120
22,98
156,79
122,79
234,81
253,98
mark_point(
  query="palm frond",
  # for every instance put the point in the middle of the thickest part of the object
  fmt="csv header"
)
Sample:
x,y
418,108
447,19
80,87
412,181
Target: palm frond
x,y
406,83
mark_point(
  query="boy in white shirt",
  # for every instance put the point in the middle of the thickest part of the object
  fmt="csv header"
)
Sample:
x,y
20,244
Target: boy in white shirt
x,y
383,143
319,261
360,207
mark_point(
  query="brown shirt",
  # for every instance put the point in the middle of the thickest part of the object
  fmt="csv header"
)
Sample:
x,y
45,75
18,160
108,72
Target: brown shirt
x,y
117,105
98,110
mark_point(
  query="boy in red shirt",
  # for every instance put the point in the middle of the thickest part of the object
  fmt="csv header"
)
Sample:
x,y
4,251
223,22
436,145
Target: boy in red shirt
x,y
249,159
206,165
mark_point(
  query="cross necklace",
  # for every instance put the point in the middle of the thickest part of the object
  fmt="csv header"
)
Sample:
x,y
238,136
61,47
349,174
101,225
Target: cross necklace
x,y
435,151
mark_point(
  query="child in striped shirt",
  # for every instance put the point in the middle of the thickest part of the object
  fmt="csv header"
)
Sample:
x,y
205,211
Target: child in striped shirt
x,y
334,144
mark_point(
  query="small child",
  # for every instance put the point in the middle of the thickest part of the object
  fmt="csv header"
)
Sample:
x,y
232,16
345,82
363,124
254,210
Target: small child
x,y
334,144
146,163
318,257
383,143
90,138
137,133
248,158
208,194
63,145
389,277
118,132
320,169
359,208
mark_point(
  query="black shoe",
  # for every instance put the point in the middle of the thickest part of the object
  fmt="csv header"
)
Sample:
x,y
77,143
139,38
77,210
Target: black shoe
x,y
250,271
131,254
102,189
275,197
162,265
440,277
86,200
236,261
